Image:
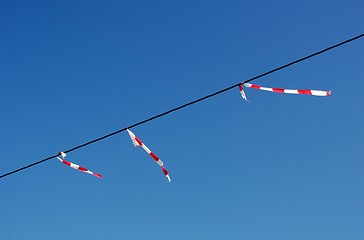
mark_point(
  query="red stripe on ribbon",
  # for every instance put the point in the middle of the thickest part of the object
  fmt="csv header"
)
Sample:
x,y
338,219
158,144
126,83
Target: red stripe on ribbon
x,y
255,86
304,91
67,163
164,171
97,175
82,169
154,156
138,141
278,90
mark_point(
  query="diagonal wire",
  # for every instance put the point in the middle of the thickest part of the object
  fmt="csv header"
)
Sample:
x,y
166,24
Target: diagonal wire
x,y
189,103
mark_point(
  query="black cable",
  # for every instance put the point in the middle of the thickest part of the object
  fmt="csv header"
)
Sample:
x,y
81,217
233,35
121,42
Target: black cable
x,y
187,104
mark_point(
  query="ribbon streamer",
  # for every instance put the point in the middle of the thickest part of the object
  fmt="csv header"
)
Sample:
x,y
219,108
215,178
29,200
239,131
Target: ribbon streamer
x,y
290,91
75,166
243,93
137,142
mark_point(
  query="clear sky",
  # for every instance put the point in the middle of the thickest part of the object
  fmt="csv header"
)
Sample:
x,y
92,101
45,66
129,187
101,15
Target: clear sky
x,y
280,167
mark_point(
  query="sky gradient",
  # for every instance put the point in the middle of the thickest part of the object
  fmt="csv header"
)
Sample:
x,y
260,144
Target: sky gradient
x,y
280,167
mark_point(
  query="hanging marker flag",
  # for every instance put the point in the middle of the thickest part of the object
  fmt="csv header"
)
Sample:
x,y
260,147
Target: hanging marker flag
x,y
242,93
165,172
75,166
290,91
136,141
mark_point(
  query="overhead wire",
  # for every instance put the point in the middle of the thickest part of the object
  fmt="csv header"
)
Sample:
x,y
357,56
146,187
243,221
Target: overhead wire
x,y
189,103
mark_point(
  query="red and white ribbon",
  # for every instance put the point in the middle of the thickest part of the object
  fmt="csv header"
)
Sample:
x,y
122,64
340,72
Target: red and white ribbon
x,y
136,141
75,166
242,93
290,91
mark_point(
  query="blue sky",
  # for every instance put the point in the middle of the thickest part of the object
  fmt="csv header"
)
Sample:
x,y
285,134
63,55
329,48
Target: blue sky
x,y
279,167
